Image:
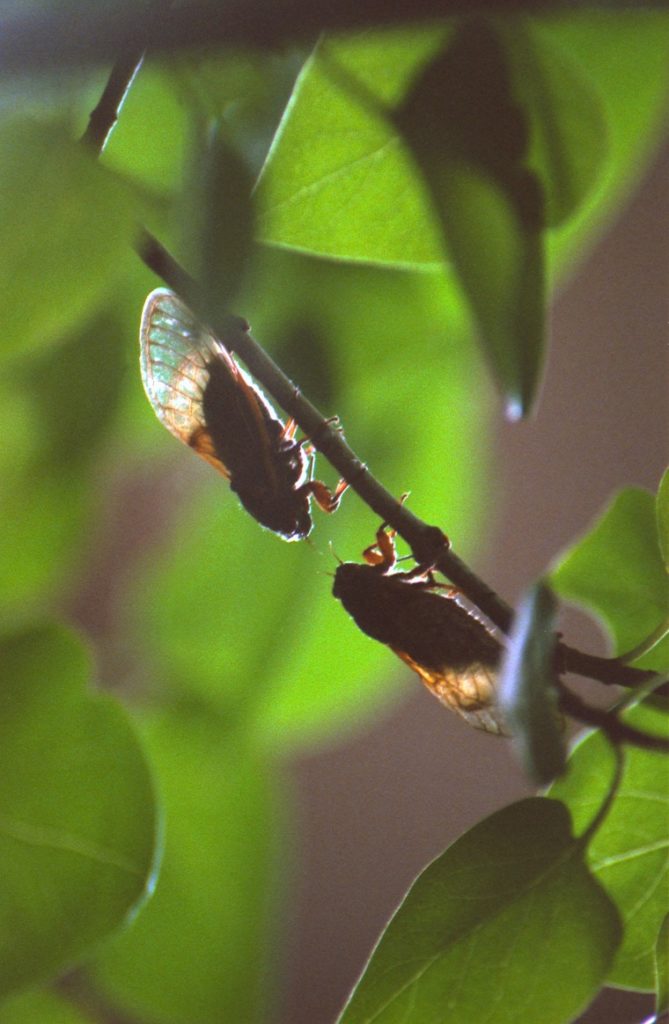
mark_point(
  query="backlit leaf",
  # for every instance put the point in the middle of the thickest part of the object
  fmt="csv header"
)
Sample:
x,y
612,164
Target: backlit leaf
x,y
493,898
629,852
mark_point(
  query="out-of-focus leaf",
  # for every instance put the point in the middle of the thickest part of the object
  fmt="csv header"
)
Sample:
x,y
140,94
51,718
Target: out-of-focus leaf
x,y
149,140
247,621
527,687
616,570
469,136
633,84
662,969
493,898
198,950
55,412
77,811
41,1008
65,231
568,132
628,853
662,513
223,232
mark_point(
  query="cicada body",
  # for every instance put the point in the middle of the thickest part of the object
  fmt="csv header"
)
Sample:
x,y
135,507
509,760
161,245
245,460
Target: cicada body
x,y
452,651
203,397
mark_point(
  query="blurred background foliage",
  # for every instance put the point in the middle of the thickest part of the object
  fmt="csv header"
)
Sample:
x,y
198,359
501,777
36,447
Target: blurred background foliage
x,y
222,643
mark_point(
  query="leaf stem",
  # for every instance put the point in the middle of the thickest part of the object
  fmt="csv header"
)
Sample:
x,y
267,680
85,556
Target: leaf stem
x,y
610,724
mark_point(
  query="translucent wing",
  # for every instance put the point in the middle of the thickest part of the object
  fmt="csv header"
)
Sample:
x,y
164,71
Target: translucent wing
x,y
175,353
470,692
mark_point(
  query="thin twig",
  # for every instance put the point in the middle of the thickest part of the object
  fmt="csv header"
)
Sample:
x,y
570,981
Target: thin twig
x,y
105,115
58,36
617,730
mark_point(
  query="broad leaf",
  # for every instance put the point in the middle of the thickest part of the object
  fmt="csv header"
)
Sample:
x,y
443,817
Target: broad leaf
x,y
198,950
77,812
528,686
662,969
628,854
41,1008
56,410
469,137
514,892
662,512
617,571
66,228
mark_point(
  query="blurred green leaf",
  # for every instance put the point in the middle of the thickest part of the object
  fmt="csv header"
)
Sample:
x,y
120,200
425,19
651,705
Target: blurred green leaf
x,y
469,137
628,853
662,969
245,620
662,514
223,234
491,899
148,143
568,131
57,408
198,951
528,686
41,1008
617,571
66,229
77,812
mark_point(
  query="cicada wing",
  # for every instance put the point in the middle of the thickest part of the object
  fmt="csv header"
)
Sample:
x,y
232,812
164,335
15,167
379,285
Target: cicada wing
x,y
470,692
175,350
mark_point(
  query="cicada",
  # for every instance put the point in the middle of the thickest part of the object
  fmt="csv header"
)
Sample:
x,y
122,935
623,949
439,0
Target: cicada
x,y
203,397
453,651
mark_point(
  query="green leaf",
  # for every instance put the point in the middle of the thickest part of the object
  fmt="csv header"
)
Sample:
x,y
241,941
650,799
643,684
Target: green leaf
x,y
77,813
223,234
337,180
215,896
41,1008
662,969
469,137
662,513
66,229
492,899
628,853
568,138
528,686
617,571
57,409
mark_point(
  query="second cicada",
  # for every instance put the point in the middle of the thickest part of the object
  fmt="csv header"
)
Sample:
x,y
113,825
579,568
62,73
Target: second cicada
x,y
453,651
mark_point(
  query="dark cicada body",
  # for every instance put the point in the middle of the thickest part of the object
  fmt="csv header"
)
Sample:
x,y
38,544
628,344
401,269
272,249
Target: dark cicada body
x,y
452,651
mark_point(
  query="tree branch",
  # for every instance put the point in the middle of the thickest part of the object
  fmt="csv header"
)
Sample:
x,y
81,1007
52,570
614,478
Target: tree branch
x,y
79,34
610,724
